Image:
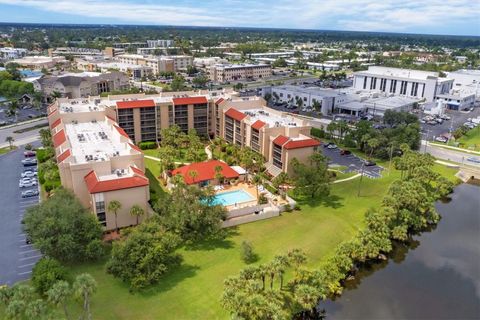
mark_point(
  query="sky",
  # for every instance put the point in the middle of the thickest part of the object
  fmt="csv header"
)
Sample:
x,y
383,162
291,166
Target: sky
x,y
456,17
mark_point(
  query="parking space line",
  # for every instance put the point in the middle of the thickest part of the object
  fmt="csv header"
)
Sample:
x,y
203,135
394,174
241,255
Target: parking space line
x,y
23,252
32,257
27,265
22,273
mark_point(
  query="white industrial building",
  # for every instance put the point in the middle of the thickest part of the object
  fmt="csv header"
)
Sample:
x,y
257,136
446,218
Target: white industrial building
x,y
405,82
327,98
467,81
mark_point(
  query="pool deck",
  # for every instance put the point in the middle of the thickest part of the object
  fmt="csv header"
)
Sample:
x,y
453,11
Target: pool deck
x,y
250,188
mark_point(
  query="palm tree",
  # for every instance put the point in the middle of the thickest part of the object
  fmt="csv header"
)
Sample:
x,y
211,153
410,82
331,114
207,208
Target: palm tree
x,y
10,140
218,173
373,143
137,211
257,180
55,95
59,295
84,286
193,174
114,206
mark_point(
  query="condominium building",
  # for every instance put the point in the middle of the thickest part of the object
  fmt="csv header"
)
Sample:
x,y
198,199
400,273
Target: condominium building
x,y
74,51
412,83
158,64
160,43
81,85
97,160
231,72
278,136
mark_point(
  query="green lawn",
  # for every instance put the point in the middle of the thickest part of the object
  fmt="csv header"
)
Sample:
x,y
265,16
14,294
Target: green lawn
x,y
471,139
193,290
7,149
182,158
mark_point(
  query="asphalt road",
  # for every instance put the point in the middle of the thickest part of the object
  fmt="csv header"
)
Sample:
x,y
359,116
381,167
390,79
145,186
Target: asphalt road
x,y
21,138
449,155
17,258
352,162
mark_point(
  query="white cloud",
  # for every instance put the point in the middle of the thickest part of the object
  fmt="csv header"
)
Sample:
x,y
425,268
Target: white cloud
x,y
369,15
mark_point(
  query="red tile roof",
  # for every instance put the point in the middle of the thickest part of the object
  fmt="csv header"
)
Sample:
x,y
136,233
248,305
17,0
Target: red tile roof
x,y
296,144
95,186
59,138
258,124
135,147
52,112
235,114
55,123
280,140
64,156
135,104
219,101
189,100
205,171
121,131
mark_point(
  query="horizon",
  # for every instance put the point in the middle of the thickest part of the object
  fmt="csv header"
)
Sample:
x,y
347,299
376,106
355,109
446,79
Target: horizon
x,y
409,17
9,23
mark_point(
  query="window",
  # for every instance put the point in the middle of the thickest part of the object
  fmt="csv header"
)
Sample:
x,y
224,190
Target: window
x,y
373,83
364,82
100,208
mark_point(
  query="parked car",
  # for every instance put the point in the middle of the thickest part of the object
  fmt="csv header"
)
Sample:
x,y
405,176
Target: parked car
x,y
29,193
432,122
369,163
29,162
29,153
27,183
29,174
439,120
345,152
326,144
332,146
441,139
445,117
474,159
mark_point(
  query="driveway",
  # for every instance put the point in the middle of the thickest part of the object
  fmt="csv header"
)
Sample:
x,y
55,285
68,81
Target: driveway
x,y
17,257
352,162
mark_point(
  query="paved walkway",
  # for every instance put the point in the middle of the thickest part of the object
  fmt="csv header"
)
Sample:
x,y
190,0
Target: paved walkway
x,y
347,179
208,152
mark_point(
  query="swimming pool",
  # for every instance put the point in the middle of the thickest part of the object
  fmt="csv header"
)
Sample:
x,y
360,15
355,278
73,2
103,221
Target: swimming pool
x,y
231,197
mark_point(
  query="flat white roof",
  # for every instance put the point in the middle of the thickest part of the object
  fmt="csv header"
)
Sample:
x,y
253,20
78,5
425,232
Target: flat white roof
x,y
398,72
82,105
272,119
95,141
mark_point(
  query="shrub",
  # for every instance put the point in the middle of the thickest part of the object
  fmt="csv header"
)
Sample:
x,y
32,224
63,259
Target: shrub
x,y
288,207
318,133
147,145
46,273
262,199
271,188
28,146
44,154
246,253
50,184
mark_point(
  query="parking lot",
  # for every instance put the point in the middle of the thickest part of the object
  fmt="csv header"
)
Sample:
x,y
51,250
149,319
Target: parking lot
x,y
352,162
18,257
458,118
28,113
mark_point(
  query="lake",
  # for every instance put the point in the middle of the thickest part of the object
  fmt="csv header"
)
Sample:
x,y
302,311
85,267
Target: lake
x,y
436,276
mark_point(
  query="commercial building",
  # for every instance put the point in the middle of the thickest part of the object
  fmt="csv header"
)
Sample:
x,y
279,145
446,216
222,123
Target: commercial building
x,y
40,62
457,99
324,100
74,51
12,53
97,160
81,85
160,43
466,81
405,82
232,72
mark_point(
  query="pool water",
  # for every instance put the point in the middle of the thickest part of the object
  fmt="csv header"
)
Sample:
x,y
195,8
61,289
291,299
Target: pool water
x,y
231,197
